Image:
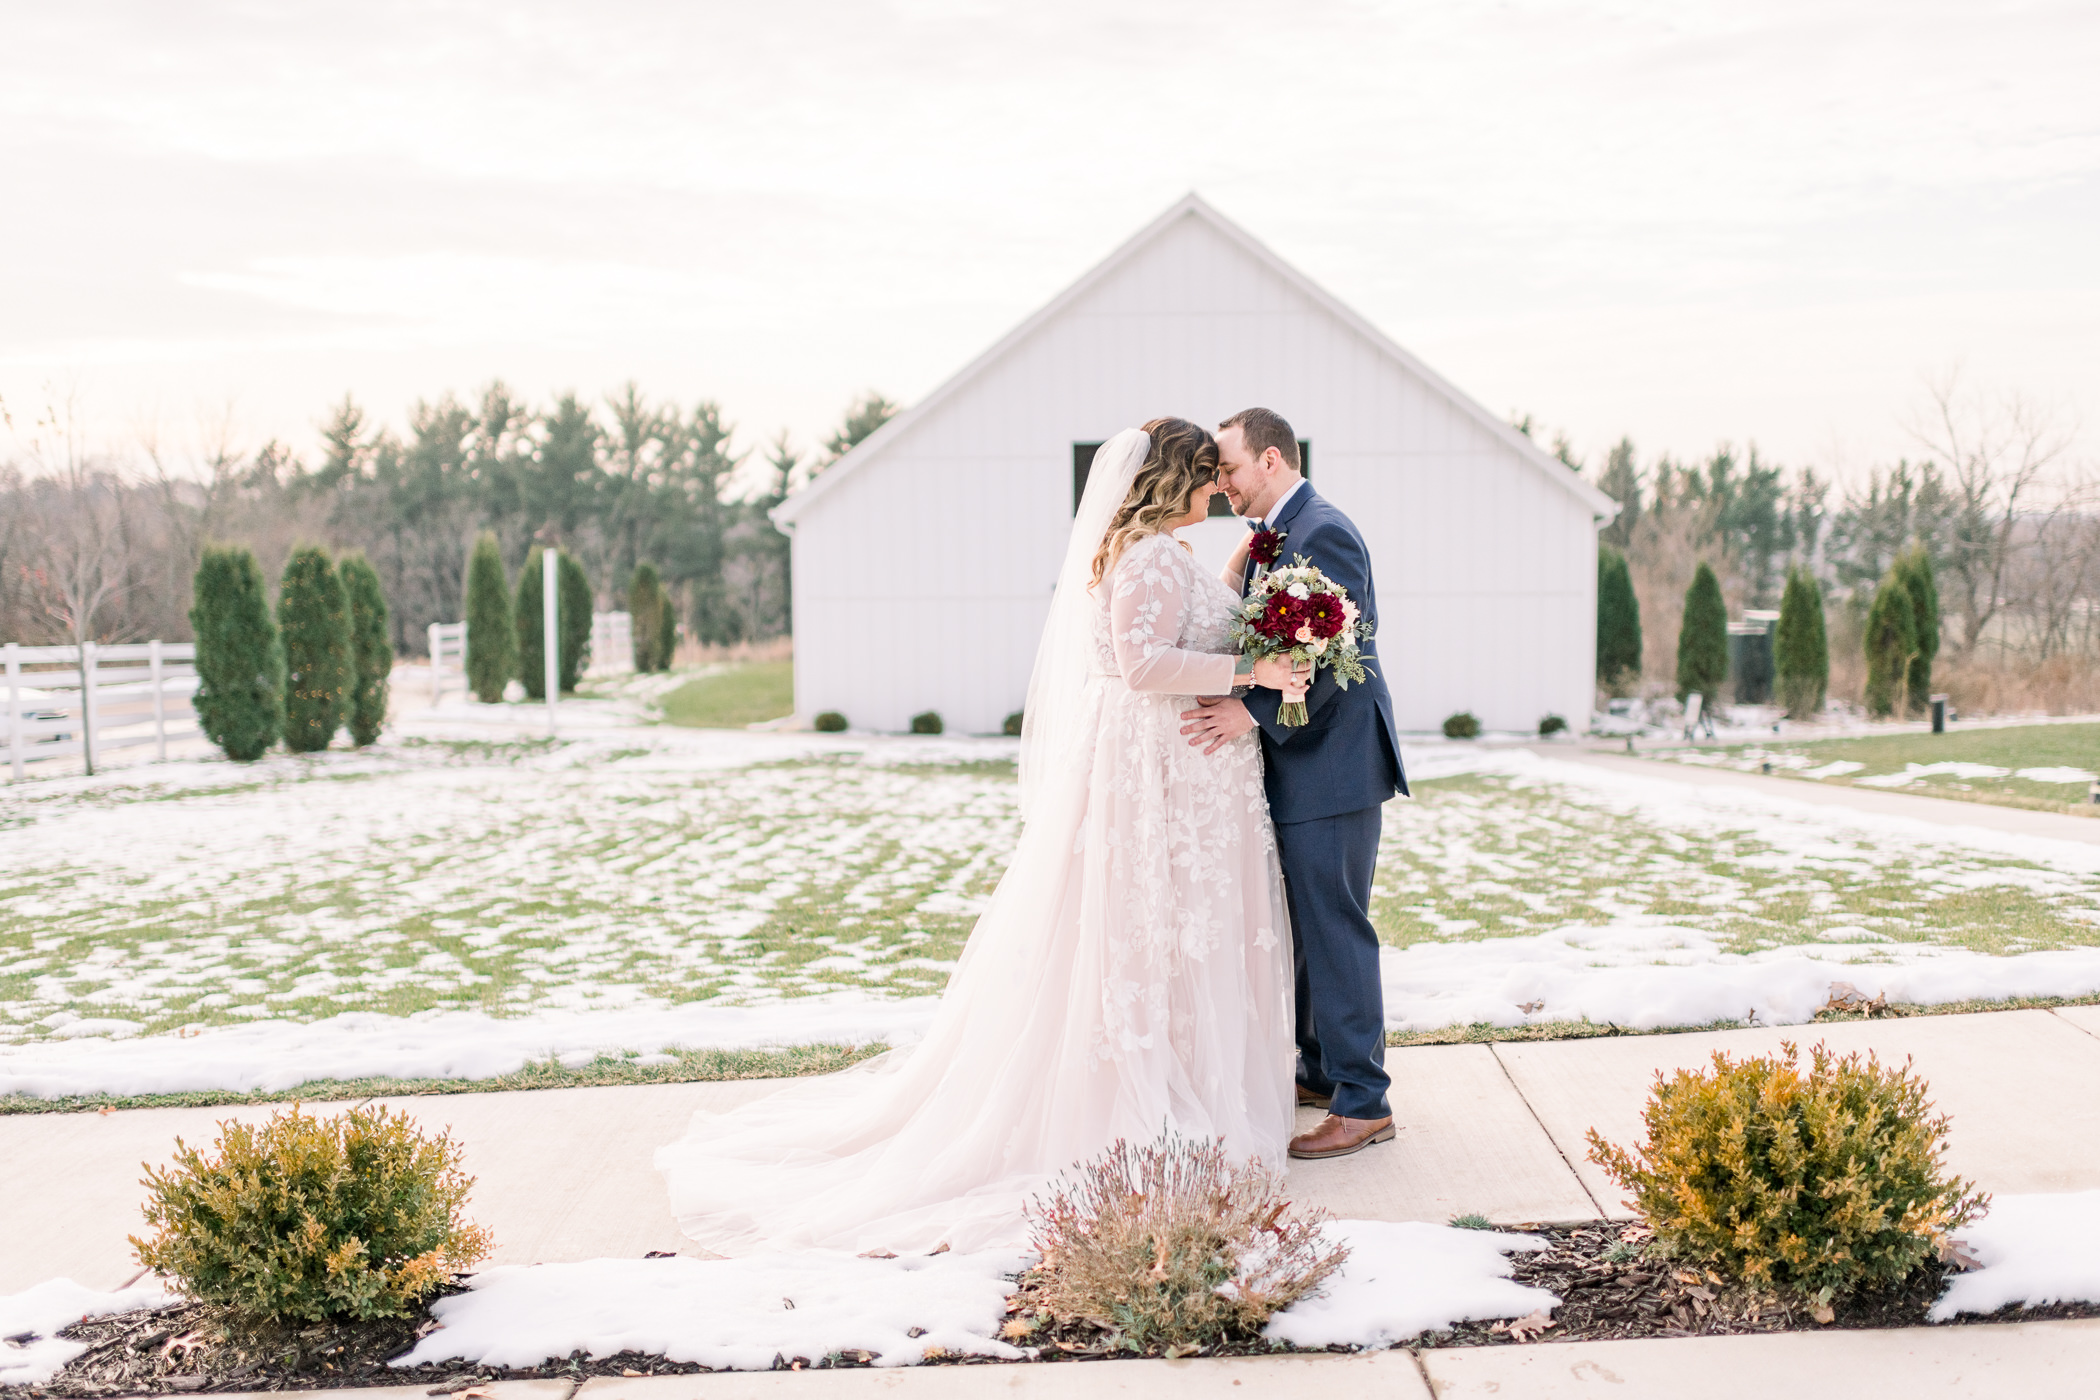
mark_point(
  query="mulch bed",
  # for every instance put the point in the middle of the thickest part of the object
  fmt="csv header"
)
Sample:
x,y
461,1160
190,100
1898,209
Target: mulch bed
x,y
1608,1286
189,1350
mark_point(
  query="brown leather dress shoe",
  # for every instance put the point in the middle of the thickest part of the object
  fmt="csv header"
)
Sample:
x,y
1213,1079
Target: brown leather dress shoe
x,y
1338,1137
1308,1099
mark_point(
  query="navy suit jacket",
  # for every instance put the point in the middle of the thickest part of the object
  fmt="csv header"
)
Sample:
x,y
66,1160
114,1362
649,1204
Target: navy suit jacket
x,y
1346,757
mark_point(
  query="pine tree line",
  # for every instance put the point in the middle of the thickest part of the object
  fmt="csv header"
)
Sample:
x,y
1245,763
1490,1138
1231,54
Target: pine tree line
x,y
617,481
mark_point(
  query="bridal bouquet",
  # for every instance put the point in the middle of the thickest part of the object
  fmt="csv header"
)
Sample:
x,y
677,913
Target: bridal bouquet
x,y
1299,612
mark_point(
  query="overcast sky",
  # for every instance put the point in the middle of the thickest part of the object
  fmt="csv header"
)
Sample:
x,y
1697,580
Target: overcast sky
x,y
1682,221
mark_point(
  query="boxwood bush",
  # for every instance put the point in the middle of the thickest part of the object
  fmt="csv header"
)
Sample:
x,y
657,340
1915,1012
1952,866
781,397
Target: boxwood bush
x,y
1462,725
831,722
308,1219
927,723
1012,726
1815,1185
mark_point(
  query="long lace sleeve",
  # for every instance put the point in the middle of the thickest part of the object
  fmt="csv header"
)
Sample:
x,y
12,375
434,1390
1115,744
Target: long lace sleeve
x,y
1149,593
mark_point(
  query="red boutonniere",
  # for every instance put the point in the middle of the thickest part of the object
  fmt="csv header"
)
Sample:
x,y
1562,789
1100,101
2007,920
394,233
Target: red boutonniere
x,y
1265,547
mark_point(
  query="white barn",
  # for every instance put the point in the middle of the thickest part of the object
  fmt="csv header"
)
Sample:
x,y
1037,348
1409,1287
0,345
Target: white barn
x,y
954,515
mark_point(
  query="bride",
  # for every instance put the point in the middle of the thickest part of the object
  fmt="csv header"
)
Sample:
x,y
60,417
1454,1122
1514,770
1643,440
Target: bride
x,y
1131,972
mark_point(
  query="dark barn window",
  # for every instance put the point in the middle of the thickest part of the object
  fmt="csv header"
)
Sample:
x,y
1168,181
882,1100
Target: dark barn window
x,y
1083,462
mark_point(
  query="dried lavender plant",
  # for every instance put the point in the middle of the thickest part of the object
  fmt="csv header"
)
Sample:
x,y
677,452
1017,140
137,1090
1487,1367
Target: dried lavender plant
x,y
1173,1245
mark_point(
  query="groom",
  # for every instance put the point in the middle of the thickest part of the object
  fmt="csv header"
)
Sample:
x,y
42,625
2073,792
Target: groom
x,y
1327,781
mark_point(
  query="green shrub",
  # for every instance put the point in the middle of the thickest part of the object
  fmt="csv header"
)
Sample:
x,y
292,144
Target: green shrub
x,y
575,619
1817,1185
928,722
1914,569
572,622
357,1216
240,660
1012,726
530,654
717,621
1702,639
1172,1245
1618,622
314,619
1802,647
371,653
1462,725
831,722
646,606
492,638
1891,643
667,636
1551,724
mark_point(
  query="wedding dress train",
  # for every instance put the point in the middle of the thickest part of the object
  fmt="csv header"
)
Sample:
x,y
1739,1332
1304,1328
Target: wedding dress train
x,y
1131,973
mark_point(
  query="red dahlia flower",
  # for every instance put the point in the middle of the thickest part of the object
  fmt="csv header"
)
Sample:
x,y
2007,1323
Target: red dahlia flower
x,y
1323,613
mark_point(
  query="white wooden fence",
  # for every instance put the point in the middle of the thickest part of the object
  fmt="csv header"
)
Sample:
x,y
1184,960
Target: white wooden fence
x,y
65,702
612,643
612,650
448,642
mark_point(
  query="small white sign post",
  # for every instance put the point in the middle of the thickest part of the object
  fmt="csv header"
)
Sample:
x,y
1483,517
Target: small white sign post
x,y
550,610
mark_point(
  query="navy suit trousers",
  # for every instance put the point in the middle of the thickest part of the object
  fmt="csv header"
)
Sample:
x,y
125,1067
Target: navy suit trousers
x,y
1327,868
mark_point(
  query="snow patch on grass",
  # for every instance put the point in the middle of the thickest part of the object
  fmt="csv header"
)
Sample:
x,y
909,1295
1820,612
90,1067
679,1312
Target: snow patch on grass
x,y
271,1055
1650,978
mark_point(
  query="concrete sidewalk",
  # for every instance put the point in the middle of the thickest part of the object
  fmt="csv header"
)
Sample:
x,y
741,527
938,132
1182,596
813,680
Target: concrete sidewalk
x,y
2031,1360
566,1174
1940,811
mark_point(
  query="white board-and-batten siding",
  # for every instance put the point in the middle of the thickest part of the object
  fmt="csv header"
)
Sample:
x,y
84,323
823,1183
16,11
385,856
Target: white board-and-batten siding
x,y
923,570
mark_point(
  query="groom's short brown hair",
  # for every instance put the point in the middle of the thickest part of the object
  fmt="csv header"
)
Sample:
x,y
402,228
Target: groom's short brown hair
x,y
1264,428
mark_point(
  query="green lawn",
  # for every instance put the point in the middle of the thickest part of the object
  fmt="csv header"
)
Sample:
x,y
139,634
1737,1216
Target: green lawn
x,y
2026,754
731,699
1484,857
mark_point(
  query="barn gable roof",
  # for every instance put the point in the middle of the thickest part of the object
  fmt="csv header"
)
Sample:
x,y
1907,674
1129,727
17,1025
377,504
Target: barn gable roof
x,y
1190,206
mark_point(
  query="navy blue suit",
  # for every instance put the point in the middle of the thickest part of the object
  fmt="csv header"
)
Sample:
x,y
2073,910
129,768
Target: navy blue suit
x,y
1327,780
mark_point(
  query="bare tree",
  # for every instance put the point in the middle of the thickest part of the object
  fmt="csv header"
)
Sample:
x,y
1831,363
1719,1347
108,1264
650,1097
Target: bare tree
x,y
2055,577
81,541
1997,454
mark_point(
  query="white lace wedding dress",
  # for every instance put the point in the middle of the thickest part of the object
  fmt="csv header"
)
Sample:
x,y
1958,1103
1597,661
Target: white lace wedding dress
x,y
1131,973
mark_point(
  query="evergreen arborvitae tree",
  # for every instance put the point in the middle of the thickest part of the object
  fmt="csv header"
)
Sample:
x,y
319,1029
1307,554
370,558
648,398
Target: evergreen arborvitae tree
x,y
575,619
1618,621
1914,568
240,662
646,605
492,641
1702,640
666,635
1891,644
371,654
531,655
1801,648
314,622
716,619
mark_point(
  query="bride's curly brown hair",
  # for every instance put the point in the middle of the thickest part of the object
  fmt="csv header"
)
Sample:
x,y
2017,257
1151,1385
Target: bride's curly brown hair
x,y
1183,458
